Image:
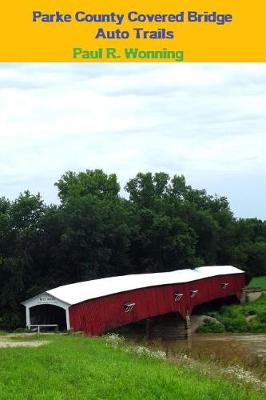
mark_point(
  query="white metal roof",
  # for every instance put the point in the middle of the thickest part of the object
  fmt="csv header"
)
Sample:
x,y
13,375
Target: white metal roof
x,y
82,291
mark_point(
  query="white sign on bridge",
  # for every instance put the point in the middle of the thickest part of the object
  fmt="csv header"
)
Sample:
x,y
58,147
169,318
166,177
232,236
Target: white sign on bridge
x,y
47,299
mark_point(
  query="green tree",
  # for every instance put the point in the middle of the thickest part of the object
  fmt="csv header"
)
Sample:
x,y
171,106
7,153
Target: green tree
x,y
94,182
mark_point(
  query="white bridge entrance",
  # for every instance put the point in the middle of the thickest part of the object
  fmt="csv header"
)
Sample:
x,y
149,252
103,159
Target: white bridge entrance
x,y
47,310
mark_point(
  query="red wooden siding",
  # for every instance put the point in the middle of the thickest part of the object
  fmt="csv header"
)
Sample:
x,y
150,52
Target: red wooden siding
x,y
96,316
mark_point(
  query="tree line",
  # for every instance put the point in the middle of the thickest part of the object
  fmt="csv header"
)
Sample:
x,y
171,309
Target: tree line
x,y
160,225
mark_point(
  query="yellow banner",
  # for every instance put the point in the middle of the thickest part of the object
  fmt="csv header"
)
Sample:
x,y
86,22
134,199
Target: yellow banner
x,y
133,31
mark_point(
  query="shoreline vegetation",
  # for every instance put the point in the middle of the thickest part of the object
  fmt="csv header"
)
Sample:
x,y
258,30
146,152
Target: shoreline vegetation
x,y
258,282
239,318
77,367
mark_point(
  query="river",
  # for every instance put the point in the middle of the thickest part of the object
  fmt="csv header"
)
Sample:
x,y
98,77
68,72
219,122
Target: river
x,y
251,343
248,350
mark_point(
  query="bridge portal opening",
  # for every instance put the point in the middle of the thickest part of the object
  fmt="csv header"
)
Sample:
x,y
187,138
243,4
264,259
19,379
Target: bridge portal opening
x,y
47,314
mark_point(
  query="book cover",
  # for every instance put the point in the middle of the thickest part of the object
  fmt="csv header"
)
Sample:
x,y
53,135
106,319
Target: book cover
x,y
132,200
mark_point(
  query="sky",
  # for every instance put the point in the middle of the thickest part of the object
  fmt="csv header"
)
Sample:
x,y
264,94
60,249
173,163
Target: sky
x,y
205,121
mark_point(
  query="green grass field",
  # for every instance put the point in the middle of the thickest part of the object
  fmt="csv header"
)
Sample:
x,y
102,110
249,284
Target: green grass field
x,y
258,281
76,367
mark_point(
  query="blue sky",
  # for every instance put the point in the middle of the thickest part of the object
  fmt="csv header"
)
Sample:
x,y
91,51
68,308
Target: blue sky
x,y
206,121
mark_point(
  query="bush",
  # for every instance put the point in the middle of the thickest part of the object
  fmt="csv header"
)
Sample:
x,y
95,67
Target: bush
x,y
10,321
250,312
256,326
236,325
234,317
261,317
211,327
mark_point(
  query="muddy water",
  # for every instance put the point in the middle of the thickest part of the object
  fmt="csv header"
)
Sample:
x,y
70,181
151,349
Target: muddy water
x,y
252,344
244,349
240,357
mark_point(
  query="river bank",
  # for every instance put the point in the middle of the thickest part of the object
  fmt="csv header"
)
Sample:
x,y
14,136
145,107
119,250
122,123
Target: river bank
x,y
236,318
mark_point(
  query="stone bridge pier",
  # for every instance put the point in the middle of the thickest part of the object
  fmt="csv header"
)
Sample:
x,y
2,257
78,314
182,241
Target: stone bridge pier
x,y
169,327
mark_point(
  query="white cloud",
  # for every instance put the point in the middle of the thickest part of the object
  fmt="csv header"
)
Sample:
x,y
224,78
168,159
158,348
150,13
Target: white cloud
x,y
206,121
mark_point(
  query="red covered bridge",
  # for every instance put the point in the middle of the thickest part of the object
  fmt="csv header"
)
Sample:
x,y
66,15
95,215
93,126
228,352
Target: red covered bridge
x,y
99,305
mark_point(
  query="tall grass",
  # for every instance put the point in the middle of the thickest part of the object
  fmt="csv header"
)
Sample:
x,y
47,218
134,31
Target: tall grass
x,y
80,368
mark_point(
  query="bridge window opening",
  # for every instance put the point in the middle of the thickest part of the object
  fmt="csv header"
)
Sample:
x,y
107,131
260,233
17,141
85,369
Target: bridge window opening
x,y
224,285
47,314
129,307
193,293
178,296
